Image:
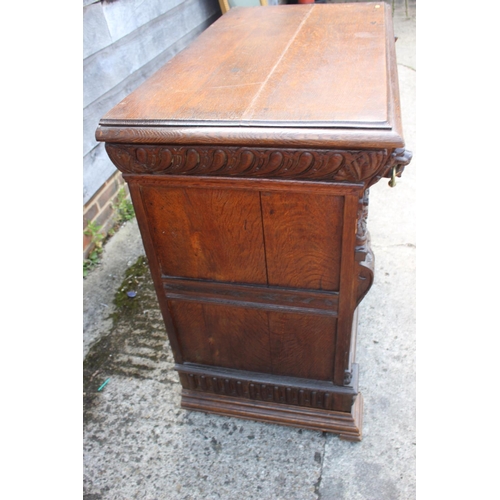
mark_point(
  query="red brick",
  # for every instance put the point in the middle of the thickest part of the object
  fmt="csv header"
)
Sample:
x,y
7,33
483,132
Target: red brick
x,y
99,209
87,243
110,190
104,219
89,214
108,193
105,214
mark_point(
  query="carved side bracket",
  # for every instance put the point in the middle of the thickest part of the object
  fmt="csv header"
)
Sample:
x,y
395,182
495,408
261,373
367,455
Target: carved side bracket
x,y
399,159
314,165
364,254
347,377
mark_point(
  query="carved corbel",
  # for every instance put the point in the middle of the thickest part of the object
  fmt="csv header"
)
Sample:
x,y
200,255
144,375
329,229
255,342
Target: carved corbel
x,y
363,252
399,158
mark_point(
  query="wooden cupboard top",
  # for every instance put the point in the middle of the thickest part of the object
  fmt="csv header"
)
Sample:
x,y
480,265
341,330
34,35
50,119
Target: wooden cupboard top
x,y
320,74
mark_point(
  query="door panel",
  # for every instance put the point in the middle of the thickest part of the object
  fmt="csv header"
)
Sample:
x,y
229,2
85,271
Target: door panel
x,y
253,339
211,234
239,233
222,335
303,237
302,345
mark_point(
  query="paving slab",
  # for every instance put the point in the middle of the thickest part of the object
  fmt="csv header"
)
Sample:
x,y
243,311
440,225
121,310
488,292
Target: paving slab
x,y
100,287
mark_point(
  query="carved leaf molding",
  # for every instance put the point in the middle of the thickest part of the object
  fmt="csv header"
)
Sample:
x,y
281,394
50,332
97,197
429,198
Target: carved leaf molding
x,y
328,165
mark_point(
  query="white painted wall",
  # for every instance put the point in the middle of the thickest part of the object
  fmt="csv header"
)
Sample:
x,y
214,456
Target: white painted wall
x,y
125,42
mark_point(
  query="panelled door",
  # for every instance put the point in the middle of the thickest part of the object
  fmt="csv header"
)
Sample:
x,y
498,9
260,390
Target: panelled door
x,y
254,275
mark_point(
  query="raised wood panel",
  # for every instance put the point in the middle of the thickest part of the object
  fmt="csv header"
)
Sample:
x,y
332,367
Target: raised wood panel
x,y
222,335
242,338
303,236
302,345
207,234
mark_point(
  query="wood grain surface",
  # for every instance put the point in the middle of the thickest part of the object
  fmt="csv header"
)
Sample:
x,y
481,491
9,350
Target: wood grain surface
x,y
293,65
241,338
302,345
303,235
207,234
348,424
222,335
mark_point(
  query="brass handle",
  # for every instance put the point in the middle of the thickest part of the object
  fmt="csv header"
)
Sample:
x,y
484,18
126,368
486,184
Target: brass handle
x,y
399,159
392,182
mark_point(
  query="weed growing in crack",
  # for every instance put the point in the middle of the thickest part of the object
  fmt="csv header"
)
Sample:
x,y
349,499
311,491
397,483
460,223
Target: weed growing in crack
x,y
124,211
93,230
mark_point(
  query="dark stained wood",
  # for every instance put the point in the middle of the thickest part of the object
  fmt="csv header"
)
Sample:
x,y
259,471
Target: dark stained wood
x,y
300,254
255,386
252,136
249,157
254,65
216,77
270,185
222,335
343,81
205,234
135,193
347,424
302,345
248,71
347,301
271,163
268,297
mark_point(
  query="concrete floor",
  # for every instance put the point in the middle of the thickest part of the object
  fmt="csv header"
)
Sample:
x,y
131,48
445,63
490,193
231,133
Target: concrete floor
x,y
139,444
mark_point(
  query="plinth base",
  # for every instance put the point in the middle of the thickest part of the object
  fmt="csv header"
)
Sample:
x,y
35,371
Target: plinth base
x,y
347,425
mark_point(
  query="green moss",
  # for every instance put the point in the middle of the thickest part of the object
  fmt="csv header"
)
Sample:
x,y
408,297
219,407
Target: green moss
x,y
137,277
103,359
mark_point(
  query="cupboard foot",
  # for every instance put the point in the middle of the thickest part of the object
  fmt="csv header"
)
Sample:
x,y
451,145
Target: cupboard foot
x,y
347,425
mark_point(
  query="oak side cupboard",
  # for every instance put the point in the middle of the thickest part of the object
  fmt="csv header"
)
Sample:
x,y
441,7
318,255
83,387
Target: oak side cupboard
x,y
249,156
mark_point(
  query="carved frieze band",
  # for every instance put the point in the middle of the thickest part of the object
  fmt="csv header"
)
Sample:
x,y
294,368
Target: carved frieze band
x,y
258,391
329,165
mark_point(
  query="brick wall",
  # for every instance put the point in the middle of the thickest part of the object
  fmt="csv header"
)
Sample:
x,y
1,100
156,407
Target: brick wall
x,y
125,42
100,208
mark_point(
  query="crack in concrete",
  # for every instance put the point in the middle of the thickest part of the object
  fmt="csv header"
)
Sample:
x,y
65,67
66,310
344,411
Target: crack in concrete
x,y
317,485
407,66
